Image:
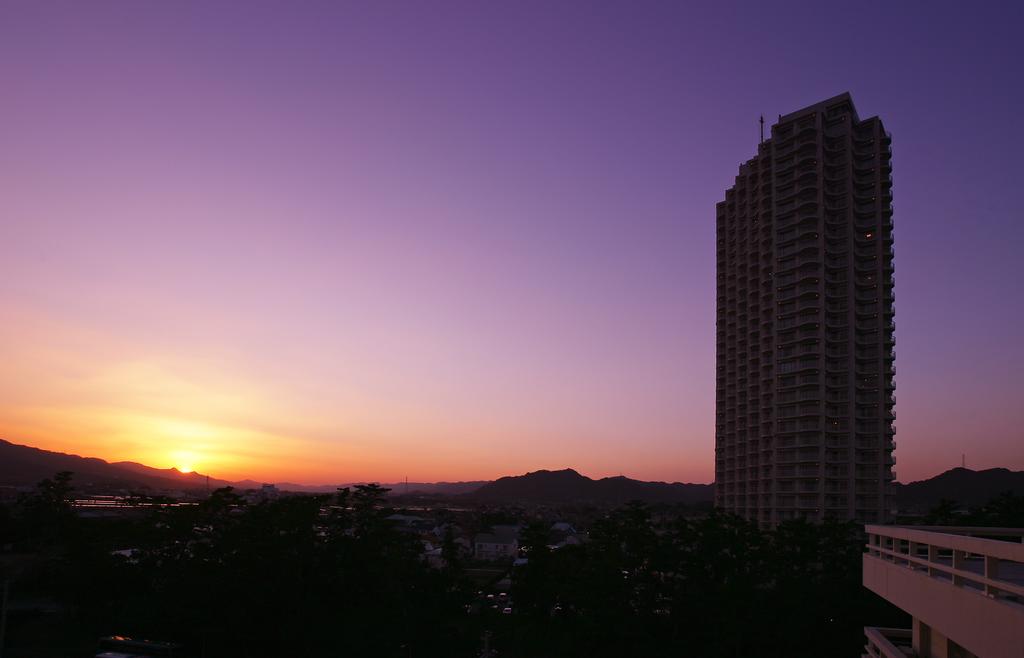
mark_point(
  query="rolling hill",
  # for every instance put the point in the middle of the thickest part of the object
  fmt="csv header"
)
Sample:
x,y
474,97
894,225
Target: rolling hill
x,y
24,466
962,485
568,486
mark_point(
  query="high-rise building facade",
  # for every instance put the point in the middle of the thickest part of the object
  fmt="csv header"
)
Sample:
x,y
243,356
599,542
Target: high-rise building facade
x,y
804,384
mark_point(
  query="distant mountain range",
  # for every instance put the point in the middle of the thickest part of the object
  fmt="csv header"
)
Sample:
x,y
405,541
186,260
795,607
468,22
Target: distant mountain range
x,y
22,465
569,486
397,488
963,485
25,466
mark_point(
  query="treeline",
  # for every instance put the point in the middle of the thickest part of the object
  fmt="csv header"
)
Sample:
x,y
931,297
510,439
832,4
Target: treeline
x,y
1004,511
299,576
330,576
716,586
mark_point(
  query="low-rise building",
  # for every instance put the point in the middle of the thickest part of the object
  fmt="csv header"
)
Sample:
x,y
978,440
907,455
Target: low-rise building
x,y
964,588
499,544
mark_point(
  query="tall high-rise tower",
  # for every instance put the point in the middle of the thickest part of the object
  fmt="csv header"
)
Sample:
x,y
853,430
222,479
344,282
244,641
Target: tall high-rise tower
x,y
804,382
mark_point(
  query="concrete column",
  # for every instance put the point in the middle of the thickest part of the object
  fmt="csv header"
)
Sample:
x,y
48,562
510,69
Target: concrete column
x,y
959,557
922,639
933,556
992,572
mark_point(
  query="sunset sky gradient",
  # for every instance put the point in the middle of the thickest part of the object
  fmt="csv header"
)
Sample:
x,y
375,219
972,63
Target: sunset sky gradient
x,y
325,241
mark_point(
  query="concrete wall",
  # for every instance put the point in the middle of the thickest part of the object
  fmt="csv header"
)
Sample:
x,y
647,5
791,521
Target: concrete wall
x,y
986,627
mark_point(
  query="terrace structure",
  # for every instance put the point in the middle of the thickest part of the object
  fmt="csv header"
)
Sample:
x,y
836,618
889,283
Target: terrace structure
x,y
964,588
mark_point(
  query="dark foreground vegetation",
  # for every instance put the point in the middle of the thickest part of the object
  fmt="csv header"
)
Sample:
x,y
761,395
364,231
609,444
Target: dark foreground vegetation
x,y
330,576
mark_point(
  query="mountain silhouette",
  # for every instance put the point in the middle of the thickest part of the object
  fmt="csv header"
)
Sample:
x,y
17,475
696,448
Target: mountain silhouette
x,y
963,485
569,486
24,465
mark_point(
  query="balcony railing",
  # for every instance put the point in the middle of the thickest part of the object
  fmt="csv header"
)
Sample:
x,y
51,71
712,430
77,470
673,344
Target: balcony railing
x,y
956,555
888,642
965,582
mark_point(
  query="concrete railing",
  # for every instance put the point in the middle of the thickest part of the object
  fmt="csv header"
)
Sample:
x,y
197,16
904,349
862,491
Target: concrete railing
x,y
956,555
887,642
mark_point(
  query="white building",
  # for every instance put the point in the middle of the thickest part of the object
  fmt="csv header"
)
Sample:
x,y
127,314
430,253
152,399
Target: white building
x,y
501,544
963,587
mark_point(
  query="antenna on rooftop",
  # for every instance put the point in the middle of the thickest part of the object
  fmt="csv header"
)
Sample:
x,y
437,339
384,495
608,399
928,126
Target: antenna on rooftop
x,y
963,460
762,129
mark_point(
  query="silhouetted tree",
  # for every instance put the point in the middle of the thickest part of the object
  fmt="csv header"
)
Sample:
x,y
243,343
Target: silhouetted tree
x,y
317,575
942,514
450,551
1006,510
47,515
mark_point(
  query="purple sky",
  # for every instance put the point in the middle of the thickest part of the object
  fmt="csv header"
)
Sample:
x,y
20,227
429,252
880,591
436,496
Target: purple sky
x,y
329,241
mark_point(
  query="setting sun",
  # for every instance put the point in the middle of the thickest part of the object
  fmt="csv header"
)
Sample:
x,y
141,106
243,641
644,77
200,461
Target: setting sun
x,y
184,460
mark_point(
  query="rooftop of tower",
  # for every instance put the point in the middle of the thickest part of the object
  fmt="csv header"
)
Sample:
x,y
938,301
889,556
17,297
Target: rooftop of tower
x,y
820,105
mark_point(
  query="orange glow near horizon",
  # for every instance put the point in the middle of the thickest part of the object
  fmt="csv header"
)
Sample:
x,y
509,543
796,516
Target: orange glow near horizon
x,y
81,395
82,392
345,245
